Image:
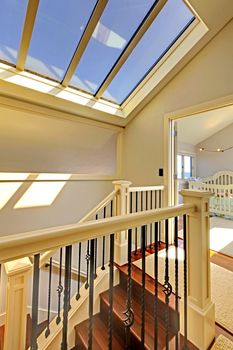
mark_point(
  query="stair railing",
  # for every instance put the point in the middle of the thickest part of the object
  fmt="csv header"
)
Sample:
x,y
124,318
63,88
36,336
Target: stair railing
x,y
196,307
21,270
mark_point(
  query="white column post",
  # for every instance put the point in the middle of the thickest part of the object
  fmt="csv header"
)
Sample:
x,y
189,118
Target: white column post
x,y
122,208
16,308
201,310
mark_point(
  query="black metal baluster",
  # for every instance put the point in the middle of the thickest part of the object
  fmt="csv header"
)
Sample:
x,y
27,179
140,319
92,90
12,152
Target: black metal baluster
x,y
103,246
136,229
68,254
70,275
151,206
160,206
131,202
79,270
143,240
185,282
129,320
142,206
96,248
146,247
59,290
35,300
47,331
176,282
88,261
156,287
91,294
111,271
111,209
167,288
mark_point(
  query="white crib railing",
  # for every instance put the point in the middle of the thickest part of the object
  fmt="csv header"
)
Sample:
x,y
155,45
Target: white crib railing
x,y
222,201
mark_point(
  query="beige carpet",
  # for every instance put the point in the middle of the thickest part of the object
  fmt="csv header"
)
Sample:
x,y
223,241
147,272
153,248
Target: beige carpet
x,y
221,283
221,235
222,343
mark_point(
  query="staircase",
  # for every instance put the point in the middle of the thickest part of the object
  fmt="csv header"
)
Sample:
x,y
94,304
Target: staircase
x,y
100,320
93,315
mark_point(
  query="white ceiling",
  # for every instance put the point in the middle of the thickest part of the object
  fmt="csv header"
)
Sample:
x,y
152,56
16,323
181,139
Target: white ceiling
x,y
195,129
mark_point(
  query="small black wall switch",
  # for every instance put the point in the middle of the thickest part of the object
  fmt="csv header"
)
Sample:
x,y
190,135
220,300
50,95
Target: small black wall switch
x,y
161,172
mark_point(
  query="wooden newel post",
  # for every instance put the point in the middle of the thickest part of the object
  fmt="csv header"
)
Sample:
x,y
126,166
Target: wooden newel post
x,y
122,208
201,309
16,308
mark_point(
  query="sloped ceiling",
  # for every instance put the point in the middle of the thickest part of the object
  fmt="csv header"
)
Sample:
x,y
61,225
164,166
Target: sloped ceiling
x,y
195,129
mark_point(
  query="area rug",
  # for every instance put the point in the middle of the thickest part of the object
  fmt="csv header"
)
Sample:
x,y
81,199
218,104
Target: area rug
x,y
221,235
222,343
221,283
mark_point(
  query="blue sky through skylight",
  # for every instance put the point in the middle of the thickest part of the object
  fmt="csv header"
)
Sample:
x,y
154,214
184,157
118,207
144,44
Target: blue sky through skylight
x,y
173,18
12,16
60,24
58,29
117,25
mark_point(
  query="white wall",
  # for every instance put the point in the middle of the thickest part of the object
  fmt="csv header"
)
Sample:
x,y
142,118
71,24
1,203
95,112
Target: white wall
x,y
209,75
186,148
209,163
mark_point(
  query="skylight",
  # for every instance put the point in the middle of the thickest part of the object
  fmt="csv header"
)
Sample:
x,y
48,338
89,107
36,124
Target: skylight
x,y
164,31
109,39
58,28
12,17
102,47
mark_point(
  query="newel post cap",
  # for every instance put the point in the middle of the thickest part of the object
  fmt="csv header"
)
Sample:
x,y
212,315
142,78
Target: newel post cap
x,y
124,183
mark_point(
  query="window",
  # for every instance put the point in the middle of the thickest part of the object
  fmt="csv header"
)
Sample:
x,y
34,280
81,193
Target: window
x,y
184,166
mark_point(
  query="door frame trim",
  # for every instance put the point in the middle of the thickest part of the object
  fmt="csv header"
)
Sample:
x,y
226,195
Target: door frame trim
x,y
168,155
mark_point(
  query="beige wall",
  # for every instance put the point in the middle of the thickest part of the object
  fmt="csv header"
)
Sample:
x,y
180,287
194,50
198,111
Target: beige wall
x,y
30,142
209,163
209,75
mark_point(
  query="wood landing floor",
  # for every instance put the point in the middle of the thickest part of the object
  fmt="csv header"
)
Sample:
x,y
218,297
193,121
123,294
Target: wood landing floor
x,y
216,258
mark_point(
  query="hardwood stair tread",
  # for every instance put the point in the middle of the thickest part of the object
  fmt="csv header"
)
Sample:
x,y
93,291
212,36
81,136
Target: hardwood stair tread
x,y
100,335
149,286
119,306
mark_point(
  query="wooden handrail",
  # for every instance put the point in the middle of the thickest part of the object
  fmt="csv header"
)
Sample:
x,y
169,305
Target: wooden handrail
x,y
147,188
99,206
23,244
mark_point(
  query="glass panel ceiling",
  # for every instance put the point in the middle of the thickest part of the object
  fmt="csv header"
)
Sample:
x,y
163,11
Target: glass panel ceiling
x,y
58,28
12,15
117,25
168,25
60,24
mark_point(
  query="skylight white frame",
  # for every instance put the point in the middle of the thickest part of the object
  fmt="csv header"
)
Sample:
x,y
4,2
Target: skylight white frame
x,y
29,22
95,17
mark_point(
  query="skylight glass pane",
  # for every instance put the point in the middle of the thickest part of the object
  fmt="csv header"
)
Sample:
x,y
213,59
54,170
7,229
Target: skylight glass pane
x,y
117,25
12,16
168,25
58,28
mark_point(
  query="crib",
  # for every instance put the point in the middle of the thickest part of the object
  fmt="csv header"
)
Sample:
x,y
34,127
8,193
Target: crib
x,y
221,185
